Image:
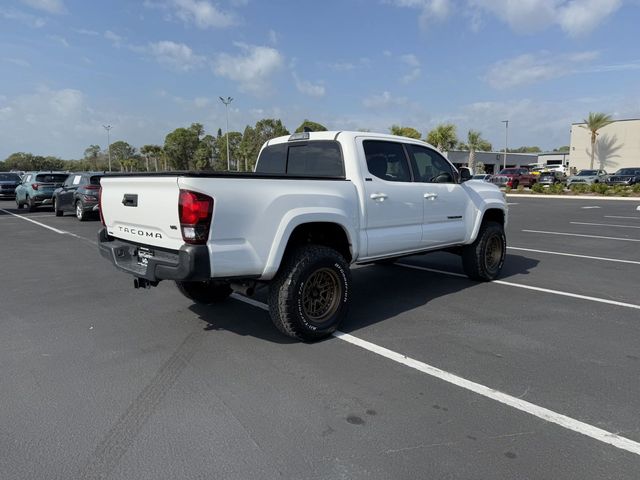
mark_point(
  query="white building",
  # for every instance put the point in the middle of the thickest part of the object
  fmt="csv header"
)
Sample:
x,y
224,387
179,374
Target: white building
x,y
617,146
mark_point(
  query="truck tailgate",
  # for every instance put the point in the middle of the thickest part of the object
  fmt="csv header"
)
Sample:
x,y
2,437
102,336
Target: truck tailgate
x,y
142,210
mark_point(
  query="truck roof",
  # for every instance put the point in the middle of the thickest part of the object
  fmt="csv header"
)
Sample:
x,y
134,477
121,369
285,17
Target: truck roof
x,y
344,135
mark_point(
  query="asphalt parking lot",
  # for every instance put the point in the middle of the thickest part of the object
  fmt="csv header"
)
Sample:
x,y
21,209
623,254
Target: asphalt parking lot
x,y
536,376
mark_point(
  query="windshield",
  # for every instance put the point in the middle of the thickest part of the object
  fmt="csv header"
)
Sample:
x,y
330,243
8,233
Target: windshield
x,y
95,180
628,171
51,177
509,171
479,177
587,173
9,177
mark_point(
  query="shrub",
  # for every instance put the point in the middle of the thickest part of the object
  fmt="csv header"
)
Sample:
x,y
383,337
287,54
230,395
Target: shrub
x,y
636,188
580,188
520,188
537,188
556,189
507,189
599,188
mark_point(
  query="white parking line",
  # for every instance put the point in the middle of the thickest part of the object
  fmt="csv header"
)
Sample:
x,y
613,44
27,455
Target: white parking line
x,y
529,287
620,216
604,225
580,235
30,216
488,392
574,255
61,232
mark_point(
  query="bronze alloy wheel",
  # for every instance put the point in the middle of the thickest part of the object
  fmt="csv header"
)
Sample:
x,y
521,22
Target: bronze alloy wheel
x,y
321,295
493,252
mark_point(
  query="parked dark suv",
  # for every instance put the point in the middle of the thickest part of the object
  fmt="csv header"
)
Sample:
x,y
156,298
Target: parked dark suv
x,y
37,188
551,178
624,176
78,194
8,184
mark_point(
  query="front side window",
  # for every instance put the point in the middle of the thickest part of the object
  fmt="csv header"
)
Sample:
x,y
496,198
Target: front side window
x,y
387,160
430,166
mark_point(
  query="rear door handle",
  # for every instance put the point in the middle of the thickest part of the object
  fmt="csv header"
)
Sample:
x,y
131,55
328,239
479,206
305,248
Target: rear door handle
x,y
430,196
379,196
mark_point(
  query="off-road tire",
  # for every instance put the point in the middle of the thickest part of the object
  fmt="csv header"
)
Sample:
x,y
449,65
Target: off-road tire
x,y
312,279
515,184
484,258
59,213
19,204
205,293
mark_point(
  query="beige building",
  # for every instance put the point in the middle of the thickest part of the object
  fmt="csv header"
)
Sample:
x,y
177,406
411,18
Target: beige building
x,y
617,146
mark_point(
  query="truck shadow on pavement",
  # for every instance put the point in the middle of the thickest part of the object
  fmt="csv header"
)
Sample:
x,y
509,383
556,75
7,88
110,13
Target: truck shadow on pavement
x,y
379,293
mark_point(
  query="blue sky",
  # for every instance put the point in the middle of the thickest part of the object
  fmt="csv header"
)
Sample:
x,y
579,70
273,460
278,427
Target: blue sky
x,y
69,67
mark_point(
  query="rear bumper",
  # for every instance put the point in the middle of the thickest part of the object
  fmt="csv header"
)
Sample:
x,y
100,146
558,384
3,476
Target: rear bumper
x,y
190,263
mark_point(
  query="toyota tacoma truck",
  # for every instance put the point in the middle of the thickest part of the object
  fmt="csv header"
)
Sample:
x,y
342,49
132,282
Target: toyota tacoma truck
x,y
316,203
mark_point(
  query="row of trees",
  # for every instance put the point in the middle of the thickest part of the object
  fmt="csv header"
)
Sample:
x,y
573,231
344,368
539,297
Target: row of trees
x,y
191,148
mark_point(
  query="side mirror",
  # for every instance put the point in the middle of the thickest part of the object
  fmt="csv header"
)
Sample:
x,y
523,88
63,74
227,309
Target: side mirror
x,y
465,174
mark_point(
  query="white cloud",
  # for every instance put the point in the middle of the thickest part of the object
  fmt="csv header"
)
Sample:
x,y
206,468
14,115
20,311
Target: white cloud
x,y
410,59
383,100
308,88
49,6
114,38
273,37
252,68
203,14
412,76
25,18
177,56
431,11
84,31
61,40
575,17
201,102
578,17
531,68
18,61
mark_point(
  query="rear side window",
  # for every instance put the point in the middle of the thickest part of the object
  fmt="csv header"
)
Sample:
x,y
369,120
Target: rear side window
x,y
51,177
387,160
321,158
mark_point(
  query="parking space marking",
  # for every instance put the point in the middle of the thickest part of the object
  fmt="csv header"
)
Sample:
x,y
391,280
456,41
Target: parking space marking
x,y
40,224
529,287
575,255
545,414
620,216
30,216
581,235
61,232
604,225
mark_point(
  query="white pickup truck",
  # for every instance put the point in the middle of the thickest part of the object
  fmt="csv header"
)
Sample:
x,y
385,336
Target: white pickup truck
x,y
316,203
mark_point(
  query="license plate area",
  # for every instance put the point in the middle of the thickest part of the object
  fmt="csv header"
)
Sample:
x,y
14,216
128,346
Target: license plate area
x,y
144,254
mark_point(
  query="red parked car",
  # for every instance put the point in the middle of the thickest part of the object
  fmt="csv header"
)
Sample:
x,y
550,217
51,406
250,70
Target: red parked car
x,y
512,177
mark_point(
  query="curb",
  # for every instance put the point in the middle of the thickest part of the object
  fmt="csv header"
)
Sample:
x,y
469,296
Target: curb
x,y
573,197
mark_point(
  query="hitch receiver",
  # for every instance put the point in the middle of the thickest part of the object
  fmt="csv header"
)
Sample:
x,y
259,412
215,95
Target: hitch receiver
x,y
143,283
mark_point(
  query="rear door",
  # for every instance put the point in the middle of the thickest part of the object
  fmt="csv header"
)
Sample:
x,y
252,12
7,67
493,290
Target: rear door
x,y
65,196
394,204
143,210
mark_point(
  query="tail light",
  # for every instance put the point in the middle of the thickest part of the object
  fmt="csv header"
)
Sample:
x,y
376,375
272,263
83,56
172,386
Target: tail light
x,y
100,207
35,186
195,210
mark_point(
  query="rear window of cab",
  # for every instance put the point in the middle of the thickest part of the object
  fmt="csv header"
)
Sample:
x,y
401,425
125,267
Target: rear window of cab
x,y
319,158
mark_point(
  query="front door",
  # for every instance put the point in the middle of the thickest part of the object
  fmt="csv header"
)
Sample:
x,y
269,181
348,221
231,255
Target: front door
x,y
445,201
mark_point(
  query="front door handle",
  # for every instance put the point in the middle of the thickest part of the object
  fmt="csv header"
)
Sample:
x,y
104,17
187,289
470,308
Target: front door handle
x,y
381,197
430,196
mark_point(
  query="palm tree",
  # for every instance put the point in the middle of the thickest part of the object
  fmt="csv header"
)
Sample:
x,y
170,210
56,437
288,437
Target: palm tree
x,y
593,123
443,137
475,142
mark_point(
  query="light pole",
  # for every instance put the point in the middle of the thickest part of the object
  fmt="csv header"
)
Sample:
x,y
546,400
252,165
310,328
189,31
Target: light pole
x,y
506,141
226,102
108,129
